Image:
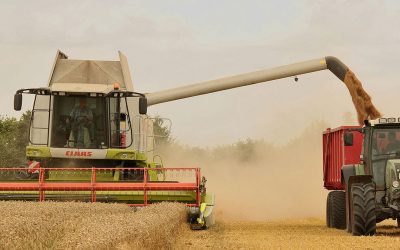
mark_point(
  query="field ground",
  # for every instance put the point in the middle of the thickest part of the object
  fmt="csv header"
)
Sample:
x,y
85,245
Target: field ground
x,y
286,234
60,225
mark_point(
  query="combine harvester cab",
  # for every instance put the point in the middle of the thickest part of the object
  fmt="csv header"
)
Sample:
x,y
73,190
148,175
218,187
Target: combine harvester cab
x,y
91,140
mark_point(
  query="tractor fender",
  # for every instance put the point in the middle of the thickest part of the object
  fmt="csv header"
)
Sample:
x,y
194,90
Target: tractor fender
x,y
358,179
346,172
351,170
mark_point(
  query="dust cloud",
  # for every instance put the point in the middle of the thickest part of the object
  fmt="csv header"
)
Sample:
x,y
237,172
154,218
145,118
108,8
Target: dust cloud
x,y
361,100
255,180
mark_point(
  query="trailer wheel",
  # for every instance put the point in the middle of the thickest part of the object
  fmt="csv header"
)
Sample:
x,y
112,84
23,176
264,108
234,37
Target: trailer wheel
x,y
338,210
328,209
362,209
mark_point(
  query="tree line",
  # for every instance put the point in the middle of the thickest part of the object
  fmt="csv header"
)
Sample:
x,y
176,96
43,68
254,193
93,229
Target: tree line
x,y
14,137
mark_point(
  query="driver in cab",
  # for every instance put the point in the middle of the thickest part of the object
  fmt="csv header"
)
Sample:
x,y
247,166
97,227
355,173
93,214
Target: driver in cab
x,y
81,117
393,144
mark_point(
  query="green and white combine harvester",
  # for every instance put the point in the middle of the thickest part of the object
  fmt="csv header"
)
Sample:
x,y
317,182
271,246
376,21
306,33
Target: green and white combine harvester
x,y
91,138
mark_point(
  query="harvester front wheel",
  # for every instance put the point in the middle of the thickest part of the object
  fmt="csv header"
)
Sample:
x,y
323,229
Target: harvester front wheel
x,y
336,210
194,225
362,209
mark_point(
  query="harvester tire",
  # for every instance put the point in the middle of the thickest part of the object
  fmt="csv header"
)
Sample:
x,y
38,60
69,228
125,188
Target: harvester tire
x,y
194,225
362,209
338,210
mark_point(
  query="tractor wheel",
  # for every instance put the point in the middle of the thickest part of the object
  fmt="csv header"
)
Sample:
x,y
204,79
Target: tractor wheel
x,y
338,210
328,209
362,209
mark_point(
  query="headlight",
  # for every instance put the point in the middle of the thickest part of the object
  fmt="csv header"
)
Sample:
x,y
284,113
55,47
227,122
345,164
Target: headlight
x,y
395,184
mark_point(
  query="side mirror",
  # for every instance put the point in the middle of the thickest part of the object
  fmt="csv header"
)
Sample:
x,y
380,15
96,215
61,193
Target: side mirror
x,y
348,139
142,105
17,101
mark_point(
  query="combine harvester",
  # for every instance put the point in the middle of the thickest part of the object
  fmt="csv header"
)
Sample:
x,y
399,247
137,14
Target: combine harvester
x,y
91,140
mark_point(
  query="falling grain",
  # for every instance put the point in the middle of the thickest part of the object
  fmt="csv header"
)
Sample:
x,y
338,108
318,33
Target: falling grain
x,y
361,100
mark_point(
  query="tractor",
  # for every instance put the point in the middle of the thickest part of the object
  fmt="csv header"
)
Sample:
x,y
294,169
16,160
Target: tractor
x,y
362,164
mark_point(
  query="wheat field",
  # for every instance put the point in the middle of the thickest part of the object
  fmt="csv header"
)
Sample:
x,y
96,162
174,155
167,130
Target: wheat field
x,y
72,225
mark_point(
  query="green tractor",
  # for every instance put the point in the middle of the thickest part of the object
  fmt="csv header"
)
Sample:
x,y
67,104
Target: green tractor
x,y
363,165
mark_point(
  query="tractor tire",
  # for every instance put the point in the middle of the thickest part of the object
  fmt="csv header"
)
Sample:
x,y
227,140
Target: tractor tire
x,y
338,210
362,209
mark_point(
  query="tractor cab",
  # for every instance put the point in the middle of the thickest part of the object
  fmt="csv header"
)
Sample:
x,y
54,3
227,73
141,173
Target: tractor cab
x,y
381,157
381,152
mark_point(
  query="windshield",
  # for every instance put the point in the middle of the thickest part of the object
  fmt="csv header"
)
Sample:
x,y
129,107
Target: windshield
x,y
385,145
79,122
385,141
90,122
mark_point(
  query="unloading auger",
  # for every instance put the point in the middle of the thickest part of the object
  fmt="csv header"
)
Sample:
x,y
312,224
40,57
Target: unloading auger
x,y
292,70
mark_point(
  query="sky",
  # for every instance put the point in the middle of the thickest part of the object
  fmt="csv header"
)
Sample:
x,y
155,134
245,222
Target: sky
x,y
174,43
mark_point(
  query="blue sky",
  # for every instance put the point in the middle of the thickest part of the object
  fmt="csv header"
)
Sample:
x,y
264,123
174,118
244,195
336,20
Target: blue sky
x,y
173,43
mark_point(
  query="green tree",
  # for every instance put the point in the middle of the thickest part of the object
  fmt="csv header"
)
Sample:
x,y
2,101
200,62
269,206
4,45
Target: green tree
x,y
13,140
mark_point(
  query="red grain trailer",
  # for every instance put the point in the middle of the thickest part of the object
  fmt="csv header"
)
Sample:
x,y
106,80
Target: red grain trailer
x,y
336,154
